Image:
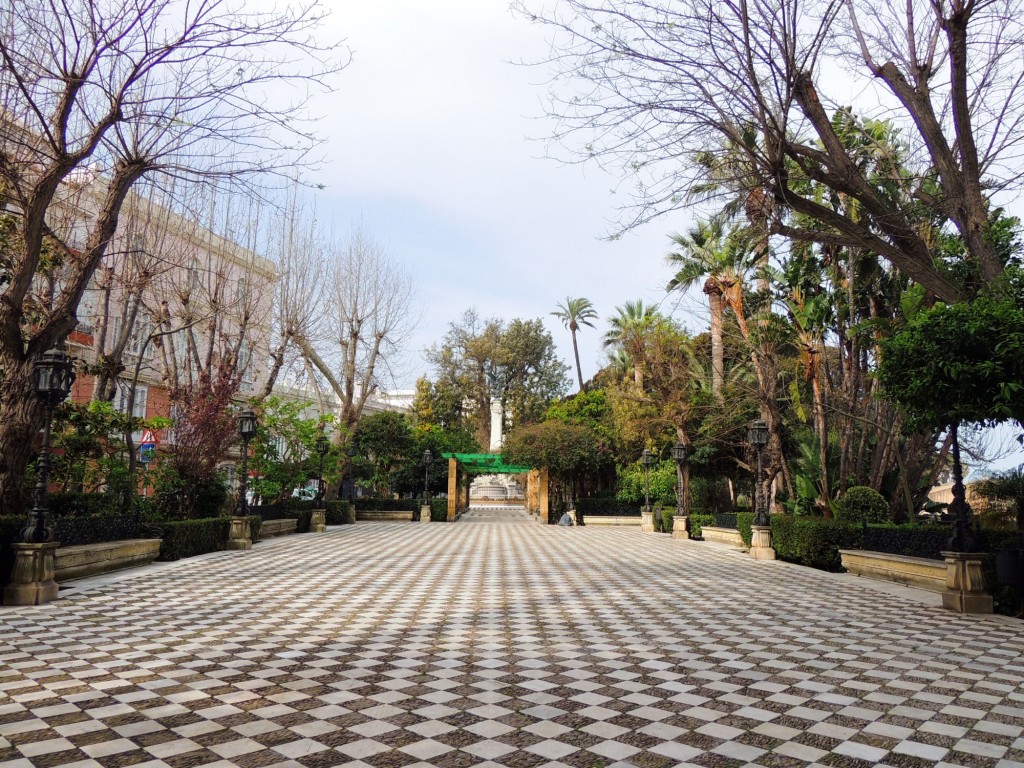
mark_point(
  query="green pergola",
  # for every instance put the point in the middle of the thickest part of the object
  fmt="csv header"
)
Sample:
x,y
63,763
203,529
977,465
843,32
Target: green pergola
x,y
489,464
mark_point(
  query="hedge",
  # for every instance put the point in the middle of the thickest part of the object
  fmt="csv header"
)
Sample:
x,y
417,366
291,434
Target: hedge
x,y
388,505
339,512
668,517
187,538
697,522
813,541
598,507
255,523
439,510
82,504
11,527
743,522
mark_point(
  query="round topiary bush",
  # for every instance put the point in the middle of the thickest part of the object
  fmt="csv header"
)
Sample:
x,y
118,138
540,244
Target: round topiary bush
x,y
862,503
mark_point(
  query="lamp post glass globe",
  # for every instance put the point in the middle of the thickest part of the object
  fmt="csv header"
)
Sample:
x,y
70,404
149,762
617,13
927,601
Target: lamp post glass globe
x,y
52,378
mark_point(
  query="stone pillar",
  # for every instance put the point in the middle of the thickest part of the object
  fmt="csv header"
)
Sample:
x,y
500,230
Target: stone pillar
x,y
32,577
425,513
647,519
318,522
543,483
453,488
680,527
761,542
496,418
965,583
239,535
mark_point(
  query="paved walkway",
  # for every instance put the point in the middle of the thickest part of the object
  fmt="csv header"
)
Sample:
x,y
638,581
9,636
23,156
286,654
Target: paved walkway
x,y
488,643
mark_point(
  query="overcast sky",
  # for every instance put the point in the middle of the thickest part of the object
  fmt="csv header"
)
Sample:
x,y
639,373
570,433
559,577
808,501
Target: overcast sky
x,y
435,142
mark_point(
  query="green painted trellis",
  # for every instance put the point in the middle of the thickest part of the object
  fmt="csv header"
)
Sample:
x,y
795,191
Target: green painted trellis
x,y
486,464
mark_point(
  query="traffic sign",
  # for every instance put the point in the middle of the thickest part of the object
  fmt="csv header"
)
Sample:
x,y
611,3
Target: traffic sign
x,y
148,438
147,452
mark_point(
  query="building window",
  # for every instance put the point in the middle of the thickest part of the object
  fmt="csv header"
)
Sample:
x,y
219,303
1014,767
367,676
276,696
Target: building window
x,y
141,395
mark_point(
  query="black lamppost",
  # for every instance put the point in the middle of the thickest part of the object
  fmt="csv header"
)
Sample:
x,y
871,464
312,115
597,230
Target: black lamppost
x,y
248,423
681,452
428,457
323,445
647,459
52,377
963,539
758,435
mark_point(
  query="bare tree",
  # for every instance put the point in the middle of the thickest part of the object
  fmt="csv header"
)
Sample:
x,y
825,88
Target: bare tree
x,y
123,91
368,314
668,81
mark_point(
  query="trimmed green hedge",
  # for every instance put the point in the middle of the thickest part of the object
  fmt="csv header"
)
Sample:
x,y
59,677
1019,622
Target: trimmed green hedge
x,y
255,522
339,512
697,521
743,522
303,517
439,510
388,505
668,518
187,538
813,541
604,507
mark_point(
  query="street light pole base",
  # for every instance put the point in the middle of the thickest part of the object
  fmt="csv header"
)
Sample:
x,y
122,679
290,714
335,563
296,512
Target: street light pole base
x,y
761,542
318,521
240,534
32,578
425,513
680,527
647,520
965,583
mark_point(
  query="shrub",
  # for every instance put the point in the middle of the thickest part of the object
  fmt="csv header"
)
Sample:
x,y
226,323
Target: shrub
x,y
304,518
82,504
187,538
339,512
255,522
861,503
597,507
697,521
813,541
439,510
388,505
743,522
668,516
10,532
175,498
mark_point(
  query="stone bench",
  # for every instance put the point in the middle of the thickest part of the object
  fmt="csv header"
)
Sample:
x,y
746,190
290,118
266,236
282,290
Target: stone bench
x,y
729,536
611,520
282,527
365,515
81,560
913,571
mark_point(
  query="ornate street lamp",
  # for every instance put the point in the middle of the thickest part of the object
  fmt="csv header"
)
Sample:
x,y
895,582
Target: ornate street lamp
x,y
758,435
248,423
647,459
681,452
428,457
52,377
323,445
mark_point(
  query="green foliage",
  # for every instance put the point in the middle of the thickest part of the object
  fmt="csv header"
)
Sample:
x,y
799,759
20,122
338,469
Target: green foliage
x,y
813,541
668,516
188,538
284,451
566,450
409,475
599,507
255,523
958,363
861,503
388,505
339,512
698,521
743,522
439,510
384,440
10,532
83,504
631,483
589,408
176,498
1006,486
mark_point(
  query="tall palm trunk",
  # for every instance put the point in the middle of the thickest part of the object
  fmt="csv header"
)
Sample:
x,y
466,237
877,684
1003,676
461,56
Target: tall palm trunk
x,y
716,305
576,354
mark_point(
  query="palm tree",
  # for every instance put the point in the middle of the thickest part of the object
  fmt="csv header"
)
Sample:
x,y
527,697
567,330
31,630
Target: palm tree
x,y
574,313
628,331
711,251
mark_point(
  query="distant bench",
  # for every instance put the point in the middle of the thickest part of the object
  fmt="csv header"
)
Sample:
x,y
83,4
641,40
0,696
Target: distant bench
x,y
81,560
280,527
902,569
611,519
722,535
377,516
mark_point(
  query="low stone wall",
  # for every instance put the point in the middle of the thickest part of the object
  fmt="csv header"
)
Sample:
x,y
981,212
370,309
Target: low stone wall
x,y
374,516
282,527
610,520
902,569
83,560
722,535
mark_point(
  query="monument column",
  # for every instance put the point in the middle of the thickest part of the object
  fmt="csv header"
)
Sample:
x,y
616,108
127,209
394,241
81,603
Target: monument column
x,y
497,414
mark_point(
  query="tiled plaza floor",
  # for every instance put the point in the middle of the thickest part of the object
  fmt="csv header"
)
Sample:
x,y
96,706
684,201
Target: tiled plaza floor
x,y
500,642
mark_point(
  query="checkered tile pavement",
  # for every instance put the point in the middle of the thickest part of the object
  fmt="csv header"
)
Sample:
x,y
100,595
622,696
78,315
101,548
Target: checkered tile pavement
x,y
497,642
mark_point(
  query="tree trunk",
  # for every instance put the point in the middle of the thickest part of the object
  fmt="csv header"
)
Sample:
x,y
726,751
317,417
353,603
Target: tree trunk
x,y
576,353
717,348
22,418
821,428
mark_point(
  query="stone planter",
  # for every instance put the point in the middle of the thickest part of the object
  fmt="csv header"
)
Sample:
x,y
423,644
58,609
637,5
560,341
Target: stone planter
x,y
318,521
680,527
761,542
965,583
240,534
33,576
